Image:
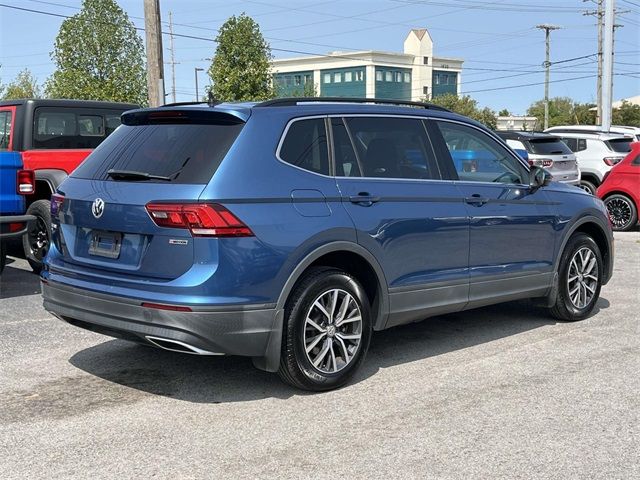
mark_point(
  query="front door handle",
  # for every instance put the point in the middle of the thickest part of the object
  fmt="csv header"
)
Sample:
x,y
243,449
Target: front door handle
x,y
476,200
364,199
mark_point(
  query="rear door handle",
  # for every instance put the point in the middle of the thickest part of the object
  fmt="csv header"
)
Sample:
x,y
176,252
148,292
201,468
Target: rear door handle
x,y
476,200
364,199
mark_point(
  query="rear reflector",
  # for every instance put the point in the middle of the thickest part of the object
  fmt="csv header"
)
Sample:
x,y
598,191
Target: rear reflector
x,y
160,306
26,182
16,227
202,219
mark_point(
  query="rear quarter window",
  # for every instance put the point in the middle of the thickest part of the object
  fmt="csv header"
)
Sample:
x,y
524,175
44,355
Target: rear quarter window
x,y
305,146
621,145
187,153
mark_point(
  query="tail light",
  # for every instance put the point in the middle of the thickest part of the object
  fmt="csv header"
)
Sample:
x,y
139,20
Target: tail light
x,y
202,219
611,161
541,162
26,182
56,204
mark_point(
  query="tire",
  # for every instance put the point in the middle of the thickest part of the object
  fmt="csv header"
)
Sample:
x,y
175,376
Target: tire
x,y
576,261
36,241
588,186
3,257
622,212
315,370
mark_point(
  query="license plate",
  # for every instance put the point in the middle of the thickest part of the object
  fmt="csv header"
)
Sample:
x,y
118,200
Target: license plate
x,y
105,244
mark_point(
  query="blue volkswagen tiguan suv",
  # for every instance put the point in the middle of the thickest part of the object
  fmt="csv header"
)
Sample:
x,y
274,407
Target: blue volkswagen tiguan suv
x,y
288,230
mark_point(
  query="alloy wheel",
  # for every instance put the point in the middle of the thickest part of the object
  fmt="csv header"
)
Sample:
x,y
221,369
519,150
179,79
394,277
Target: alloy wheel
x,y
620,212
582,278
39,239
332,330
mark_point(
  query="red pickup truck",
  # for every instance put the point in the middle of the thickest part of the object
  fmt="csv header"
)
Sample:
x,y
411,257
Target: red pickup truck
x,y
53,137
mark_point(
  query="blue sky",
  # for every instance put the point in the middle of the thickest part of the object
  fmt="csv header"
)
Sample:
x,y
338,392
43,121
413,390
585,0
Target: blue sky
x,y
496,38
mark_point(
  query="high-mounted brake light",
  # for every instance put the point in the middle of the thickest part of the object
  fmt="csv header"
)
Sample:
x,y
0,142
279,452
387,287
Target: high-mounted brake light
x,y
202,219
26,182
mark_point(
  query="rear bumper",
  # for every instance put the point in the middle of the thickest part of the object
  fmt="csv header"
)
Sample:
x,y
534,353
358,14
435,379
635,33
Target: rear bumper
x,y
14,219
244,331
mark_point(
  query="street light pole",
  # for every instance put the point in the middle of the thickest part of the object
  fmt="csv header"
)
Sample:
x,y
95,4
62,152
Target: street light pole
x,y
547,64
607,71
196,70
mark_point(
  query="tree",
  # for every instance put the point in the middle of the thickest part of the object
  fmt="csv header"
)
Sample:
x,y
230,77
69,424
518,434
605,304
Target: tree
x,y
25,85
628,114
99,56
468,107
504,113
563,111
241,68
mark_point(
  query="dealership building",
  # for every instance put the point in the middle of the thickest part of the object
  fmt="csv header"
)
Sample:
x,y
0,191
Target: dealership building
x,y
411,75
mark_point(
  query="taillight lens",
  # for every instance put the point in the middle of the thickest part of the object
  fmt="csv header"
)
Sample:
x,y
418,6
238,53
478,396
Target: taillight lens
x,y
56,204
611,161
26,182
202,219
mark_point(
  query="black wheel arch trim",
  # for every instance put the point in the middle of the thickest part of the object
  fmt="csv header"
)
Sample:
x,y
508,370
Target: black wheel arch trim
x,y
52,176
341,246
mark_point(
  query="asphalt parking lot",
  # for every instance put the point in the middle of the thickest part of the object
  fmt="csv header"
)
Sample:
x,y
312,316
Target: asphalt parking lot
x,y
501,392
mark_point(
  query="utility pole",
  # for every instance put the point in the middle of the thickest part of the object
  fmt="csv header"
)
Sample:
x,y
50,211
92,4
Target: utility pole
x,y
599,13
547,64
607,85
155,67
173,60
196,70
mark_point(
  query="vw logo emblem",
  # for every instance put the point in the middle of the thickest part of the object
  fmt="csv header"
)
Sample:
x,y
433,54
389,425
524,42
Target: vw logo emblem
x,y
97,208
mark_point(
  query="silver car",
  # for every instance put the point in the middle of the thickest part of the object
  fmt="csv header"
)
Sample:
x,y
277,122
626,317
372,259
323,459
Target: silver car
x,y
547,151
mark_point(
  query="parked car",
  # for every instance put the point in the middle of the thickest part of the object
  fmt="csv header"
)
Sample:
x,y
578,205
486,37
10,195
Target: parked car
x,y
288,230
51,138
620,190
546,151
596,154
633,132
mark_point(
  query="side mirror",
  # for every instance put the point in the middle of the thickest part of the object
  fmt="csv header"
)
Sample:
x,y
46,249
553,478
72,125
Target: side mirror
x,y
538,177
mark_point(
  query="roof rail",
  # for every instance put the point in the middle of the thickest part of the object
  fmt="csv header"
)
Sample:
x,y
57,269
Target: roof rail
x,y
291,101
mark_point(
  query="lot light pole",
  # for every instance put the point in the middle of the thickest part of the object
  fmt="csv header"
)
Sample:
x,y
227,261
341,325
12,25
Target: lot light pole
x,y
155,67
607,71
195,71
547,64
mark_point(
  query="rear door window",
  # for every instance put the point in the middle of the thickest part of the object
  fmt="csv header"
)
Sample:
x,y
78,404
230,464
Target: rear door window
x,y
390,147
305,146
619,145
548,146
5,129
183,153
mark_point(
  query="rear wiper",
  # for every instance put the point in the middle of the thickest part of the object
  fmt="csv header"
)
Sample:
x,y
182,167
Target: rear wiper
x,y
133,175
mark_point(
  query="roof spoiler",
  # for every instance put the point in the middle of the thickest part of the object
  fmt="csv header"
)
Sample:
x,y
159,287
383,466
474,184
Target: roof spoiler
x,y
156,116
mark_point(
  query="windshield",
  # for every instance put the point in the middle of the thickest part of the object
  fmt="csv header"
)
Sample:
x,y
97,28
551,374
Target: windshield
x,y
548,146
182,153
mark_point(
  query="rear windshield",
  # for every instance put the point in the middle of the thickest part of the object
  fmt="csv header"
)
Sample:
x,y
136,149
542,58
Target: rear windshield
x,y
620,145
186,153
548,146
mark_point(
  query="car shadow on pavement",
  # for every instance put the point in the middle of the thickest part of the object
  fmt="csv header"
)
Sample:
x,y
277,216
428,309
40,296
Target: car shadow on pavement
x,y
17,282
234,379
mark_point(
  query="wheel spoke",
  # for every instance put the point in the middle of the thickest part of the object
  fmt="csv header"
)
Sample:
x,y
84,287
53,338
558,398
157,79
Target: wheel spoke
x,y
353,336
333,357
588,287
315,340
357,318
345,351
334,302
322,354
320,307
343,308
315,325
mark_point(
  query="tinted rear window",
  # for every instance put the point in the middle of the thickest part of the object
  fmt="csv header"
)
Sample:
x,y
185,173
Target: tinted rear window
x,y
548,146
620,145
188,153
5,129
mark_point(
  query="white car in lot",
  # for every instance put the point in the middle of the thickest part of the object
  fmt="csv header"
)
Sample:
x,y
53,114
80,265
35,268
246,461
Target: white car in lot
x,y
620,129
597,153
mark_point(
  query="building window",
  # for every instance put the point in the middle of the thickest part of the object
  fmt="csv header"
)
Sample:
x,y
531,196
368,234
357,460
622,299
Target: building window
x,y
436,79
359,76
388,76
425,91
297,79
398,77
327,78
287,81
337,77
452,79
308,79
378,76
280,81
425,60
348,76
407,78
